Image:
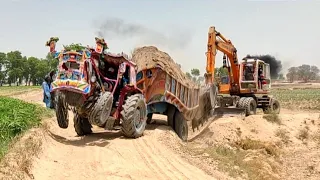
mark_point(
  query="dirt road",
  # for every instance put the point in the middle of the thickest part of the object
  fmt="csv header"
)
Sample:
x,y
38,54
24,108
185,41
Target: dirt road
x,y
107,155
159,154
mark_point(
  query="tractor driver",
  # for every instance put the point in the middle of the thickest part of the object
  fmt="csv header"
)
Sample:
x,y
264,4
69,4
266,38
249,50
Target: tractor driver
x,y
248,72
260,76
111,73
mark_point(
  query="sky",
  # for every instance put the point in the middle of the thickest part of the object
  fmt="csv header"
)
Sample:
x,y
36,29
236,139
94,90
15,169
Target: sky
x,y
288,30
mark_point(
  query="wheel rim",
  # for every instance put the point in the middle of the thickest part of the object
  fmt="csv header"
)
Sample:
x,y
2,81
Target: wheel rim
x,y
137,119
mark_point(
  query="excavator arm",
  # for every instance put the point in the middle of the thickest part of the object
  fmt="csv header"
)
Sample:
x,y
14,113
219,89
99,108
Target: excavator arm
x,y
217,41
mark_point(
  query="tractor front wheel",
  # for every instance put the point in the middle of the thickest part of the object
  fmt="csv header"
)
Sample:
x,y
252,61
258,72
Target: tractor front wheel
x,y
61,108
101,110
134,116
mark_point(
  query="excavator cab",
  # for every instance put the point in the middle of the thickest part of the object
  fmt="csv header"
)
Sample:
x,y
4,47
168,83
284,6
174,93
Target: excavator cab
x,y
254,76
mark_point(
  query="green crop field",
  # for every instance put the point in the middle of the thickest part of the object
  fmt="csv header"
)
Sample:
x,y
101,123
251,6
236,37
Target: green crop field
x,y
16,90
16,117
298,98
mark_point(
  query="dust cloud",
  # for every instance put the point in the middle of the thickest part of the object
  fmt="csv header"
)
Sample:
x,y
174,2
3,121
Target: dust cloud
x,y
275,64
116,28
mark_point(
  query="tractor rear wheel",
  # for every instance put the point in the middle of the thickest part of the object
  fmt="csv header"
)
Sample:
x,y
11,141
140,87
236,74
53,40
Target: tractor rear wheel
x,y
134,116
250,105
81,125
61,108
101,109
170,116
181,127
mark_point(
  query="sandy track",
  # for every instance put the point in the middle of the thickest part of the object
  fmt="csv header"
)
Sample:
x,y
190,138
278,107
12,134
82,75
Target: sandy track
x,y
108,155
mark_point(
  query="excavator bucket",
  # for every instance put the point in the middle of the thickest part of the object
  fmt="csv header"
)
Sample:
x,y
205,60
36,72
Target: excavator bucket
x,y
207,110
207,103
230,111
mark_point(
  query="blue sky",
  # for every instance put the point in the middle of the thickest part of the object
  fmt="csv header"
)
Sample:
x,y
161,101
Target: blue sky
x,y
286,29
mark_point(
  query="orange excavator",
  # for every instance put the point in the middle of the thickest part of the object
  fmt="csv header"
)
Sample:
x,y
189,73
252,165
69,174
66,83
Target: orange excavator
x,y
247,85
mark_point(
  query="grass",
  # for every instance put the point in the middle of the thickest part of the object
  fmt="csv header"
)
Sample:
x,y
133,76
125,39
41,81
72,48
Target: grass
x,y
283,135
316,137
16,90
244,158
303,133
16,117
308,99
250,144
273,118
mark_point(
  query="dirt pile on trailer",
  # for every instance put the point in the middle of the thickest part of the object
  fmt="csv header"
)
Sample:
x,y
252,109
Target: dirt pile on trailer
x,y
150,57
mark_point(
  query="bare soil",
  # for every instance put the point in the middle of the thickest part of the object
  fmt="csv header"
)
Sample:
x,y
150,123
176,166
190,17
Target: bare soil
x,y
250,148
108,155
282,147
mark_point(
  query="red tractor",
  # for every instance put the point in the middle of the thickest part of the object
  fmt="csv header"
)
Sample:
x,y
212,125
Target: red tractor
x,y
100,87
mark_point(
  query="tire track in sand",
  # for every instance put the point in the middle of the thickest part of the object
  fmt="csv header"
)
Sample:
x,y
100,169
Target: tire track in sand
x,y
164,160
146,155
104,155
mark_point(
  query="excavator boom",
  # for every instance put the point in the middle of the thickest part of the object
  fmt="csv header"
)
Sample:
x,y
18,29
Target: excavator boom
x,y
216,41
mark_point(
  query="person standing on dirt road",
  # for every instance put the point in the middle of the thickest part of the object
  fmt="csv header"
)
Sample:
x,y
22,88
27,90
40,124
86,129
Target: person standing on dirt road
x,y
46,86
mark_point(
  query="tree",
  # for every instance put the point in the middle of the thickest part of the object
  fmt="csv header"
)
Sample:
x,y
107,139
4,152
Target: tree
x,y
304,72
194,76
314,72
3,62
15,67
188,75
195,72
32,70
292,74
221,72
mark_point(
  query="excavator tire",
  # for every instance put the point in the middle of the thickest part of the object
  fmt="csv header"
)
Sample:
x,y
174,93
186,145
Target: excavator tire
x,y
241,102
235,100
134,116
101,109
61,109
81,125
250,105
273,108
181,127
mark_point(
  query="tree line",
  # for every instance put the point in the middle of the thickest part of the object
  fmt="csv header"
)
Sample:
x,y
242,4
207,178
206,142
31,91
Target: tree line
x,y
303,73
16,68
194,74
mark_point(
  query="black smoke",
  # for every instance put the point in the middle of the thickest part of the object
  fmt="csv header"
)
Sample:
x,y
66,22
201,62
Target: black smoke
x,y
275,64
116,28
